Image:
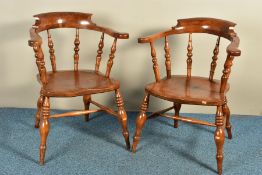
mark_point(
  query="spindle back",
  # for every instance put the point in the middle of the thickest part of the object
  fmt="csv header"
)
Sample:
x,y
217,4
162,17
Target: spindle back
x,y
218,27
77,20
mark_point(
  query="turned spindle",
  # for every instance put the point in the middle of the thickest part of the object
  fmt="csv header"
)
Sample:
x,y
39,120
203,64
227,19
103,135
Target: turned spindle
x,y
111,58
51,51
214,60
219,138
99,53
189,55
39,55
167,56
154,60
44,129
76,49
122,117
226,72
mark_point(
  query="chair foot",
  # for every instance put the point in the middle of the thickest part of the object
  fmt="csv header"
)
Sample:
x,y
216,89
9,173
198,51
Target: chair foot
x,y
86,100
229,133
44,129
219,138
122,117
177,108
140,121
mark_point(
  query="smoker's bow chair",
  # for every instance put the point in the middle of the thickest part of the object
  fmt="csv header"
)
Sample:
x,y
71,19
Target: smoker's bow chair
x,y
187,89
75,82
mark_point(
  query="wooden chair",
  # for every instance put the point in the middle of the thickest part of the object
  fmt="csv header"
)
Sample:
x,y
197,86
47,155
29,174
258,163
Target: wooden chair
x,y
71,83
187,89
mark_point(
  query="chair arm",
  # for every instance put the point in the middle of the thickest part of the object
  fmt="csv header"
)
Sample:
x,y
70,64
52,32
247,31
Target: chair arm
x,y
111,32
34,38
153,37
232,48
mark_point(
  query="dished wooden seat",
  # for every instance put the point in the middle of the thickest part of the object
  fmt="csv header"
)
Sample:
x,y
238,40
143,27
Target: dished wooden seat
x,y
72,83
180,89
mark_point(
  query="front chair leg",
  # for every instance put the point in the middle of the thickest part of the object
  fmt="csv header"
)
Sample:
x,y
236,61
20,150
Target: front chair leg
x,y
87,99
219,138
44,129
177,108
122,117
226,112
39,110
140,121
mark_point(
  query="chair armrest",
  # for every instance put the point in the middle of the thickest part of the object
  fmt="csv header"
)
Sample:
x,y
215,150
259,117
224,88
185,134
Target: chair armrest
x,y
34,38
153,37
232,48
111,32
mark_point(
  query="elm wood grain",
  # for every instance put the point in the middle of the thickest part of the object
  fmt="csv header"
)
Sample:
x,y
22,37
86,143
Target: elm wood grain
x,y
77,83
78,20
188,89
181,90
71,83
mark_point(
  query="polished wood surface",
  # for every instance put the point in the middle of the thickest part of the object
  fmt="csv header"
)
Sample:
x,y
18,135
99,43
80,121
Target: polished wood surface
x,y
189,89
77,83
196,90
74,82
189,55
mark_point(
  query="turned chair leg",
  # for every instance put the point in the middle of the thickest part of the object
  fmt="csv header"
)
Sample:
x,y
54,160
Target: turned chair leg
x,y
39,110
44,129
219,138
226,112
122,117
86,100
177,108
140,121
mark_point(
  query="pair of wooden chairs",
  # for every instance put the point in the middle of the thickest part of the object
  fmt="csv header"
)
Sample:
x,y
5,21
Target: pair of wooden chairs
x,y
179,89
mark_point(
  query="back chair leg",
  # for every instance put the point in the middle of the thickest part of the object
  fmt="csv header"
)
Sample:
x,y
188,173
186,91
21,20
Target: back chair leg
x,y
140,121
39,110
122,117
86,100
226,112
177,108
44,129
219,138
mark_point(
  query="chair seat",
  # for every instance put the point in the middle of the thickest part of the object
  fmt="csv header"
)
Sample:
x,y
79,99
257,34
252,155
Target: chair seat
x,y
196,90
77,83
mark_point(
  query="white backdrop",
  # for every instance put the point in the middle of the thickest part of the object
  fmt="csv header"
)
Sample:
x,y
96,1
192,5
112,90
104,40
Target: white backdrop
x,y
132,64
